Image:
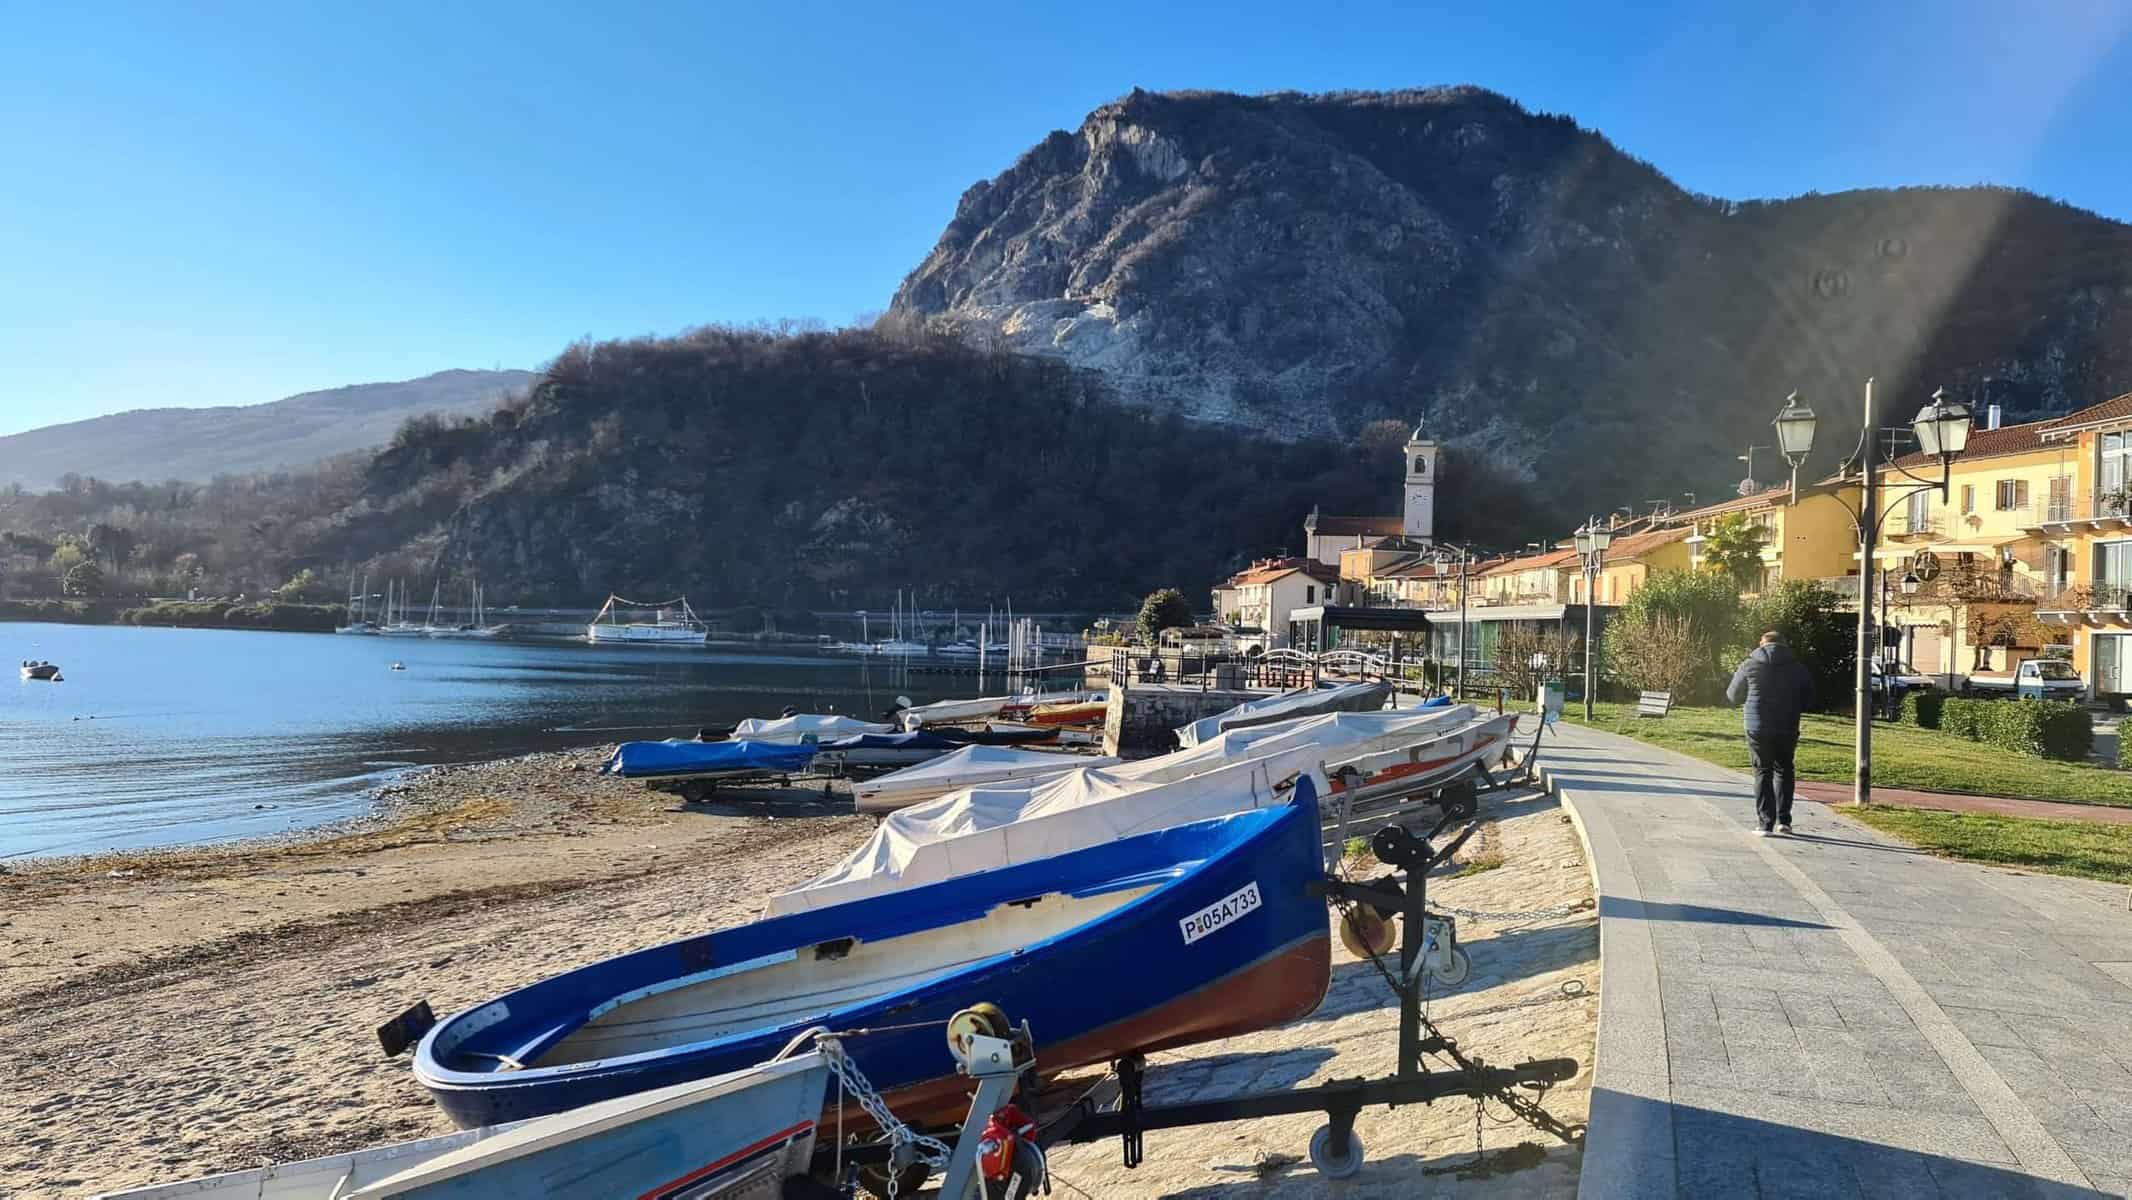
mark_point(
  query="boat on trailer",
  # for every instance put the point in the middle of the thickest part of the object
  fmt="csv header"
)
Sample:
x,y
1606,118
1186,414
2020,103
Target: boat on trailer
x,y
885,751
664,623
1199,931
726,761
729,1137
971,766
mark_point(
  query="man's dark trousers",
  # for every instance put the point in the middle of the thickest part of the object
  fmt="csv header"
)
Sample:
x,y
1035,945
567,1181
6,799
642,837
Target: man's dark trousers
x,y
1772,754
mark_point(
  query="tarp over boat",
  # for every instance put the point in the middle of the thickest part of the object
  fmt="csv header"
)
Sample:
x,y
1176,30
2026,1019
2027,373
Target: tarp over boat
x,y
669,759
1351,697
942,711
982,828
820,727
986,828
968,767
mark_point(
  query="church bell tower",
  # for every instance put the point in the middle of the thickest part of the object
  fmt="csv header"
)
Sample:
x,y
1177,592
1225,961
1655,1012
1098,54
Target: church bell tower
x,y
1420,513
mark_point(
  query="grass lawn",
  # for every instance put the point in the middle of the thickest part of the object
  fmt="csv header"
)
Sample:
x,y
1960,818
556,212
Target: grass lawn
x,y
2057,847
1903,756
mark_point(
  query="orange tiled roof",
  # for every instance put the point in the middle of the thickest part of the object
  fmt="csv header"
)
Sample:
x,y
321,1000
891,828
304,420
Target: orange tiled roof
x,y
1268,570
2113,409
1992,443
1531,562
1636,545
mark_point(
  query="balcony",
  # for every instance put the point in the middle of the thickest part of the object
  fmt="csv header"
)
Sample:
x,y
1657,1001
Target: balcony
x,y
1914,527
2094,512
2103,605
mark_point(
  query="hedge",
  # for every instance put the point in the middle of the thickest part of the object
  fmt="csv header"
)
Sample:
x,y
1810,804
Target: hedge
x,y
1922,709
2044,728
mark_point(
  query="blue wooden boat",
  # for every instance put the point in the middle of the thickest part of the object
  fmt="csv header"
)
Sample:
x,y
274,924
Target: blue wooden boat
x,y
1182,935
678,759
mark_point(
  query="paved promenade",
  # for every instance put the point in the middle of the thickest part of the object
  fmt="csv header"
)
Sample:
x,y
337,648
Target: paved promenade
x,y
1835,1014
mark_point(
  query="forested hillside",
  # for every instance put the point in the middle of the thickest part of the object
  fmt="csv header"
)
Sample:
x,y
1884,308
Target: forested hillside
x,y
819,468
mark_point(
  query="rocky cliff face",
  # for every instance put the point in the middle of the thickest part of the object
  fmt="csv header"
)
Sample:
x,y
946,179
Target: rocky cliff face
x,y
1307,264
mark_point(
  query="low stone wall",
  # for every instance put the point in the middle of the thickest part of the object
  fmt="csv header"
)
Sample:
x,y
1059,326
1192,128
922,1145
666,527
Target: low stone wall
x,y
1143,716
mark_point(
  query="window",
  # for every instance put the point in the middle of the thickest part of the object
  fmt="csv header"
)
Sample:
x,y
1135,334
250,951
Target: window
x,y
1310,594
1919,517
2116,448
2012,494
1969,498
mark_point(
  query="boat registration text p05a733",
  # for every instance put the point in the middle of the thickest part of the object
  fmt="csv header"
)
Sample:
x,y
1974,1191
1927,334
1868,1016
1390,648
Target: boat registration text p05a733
x,y
1221,913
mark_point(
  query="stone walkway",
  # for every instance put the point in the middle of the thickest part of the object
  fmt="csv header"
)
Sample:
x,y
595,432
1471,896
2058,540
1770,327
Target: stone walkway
x,y
1997,806
1837,1014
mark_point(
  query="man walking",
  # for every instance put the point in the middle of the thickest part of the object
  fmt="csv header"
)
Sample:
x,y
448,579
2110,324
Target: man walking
x,y
1773,688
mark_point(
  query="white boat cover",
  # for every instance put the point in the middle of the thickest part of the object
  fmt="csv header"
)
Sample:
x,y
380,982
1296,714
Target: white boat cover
x,y
967,767
1351,697
805,725
967,831
942,711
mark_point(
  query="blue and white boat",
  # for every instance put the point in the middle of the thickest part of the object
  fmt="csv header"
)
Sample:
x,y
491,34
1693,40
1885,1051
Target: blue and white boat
x,y
682,759
1181,935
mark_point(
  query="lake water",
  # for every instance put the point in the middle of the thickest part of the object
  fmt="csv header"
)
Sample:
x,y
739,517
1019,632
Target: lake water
x,y
165,736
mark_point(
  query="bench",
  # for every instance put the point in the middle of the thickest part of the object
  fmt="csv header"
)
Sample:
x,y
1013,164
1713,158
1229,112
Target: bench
x,y
1654,704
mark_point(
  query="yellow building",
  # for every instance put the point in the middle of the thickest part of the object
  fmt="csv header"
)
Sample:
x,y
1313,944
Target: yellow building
x,y
2083,522
1979,554
1630,559
1533,579
1814,538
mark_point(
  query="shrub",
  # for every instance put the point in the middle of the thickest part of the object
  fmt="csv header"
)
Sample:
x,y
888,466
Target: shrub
x,y
1706,607
1823,638
2044,728
1663,654
1164,608
1922,709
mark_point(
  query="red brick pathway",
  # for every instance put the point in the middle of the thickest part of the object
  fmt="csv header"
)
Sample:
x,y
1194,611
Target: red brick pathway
x,y
2047,810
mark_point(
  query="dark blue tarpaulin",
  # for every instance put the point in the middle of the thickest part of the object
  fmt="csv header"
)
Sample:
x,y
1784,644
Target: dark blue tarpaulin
x,y
677,757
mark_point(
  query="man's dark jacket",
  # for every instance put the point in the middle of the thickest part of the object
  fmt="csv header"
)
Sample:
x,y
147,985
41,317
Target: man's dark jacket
x,y
1773,688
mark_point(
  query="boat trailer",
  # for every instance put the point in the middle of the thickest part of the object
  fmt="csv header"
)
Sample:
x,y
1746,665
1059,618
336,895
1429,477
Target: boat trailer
x,y
1335,1150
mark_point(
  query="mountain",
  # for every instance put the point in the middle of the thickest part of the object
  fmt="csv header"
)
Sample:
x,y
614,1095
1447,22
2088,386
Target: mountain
x,y
1307,264
200,443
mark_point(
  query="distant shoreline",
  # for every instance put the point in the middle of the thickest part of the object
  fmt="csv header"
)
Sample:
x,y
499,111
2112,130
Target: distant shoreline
x,y
186,614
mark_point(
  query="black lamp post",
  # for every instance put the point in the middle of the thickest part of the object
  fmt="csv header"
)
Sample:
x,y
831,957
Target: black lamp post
x,y
1592,539
1942,429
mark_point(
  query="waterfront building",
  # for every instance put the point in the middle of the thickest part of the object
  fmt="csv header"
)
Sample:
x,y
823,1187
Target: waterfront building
x,y
1260,598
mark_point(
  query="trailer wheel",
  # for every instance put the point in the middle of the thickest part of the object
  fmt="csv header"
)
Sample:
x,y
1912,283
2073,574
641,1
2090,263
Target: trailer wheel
x,y
1321,1155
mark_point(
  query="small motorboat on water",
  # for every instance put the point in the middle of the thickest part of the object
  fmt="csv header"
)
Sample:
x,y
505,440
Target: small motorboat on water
x,y
41,671
723,761
732,1137
1195,932
970,766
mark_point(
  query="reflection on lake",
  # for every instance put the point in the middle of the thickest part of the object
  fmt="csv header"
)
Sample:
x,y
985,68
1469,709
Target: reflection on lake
x,y
162,736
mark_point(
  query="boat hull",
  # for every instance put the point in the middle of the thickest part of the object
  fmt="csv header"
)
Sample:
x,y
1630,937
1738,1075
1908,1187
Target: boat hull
x,y
1197,950
606,633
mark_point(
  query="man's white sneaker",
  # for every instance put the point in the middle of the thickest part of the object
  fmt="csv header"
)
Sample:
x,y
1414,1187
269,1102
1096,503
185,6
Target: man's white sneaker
x,y
1761,833
1785,830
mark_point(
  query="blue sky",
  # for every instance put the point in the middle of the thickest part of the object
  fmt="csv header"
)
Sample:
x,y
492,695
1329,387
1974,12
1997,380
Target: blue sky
x,y
226,203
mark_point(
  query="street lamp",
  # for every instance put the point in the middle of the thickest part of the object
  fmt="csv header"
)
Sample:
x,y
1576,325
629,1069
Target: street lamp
x,y
1942,429
1795,436
1592,539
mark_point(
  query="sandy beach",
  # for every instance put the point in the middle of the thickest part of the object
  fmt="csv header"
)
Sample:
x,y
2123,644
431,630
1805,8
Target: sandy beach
x,y
181,1013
